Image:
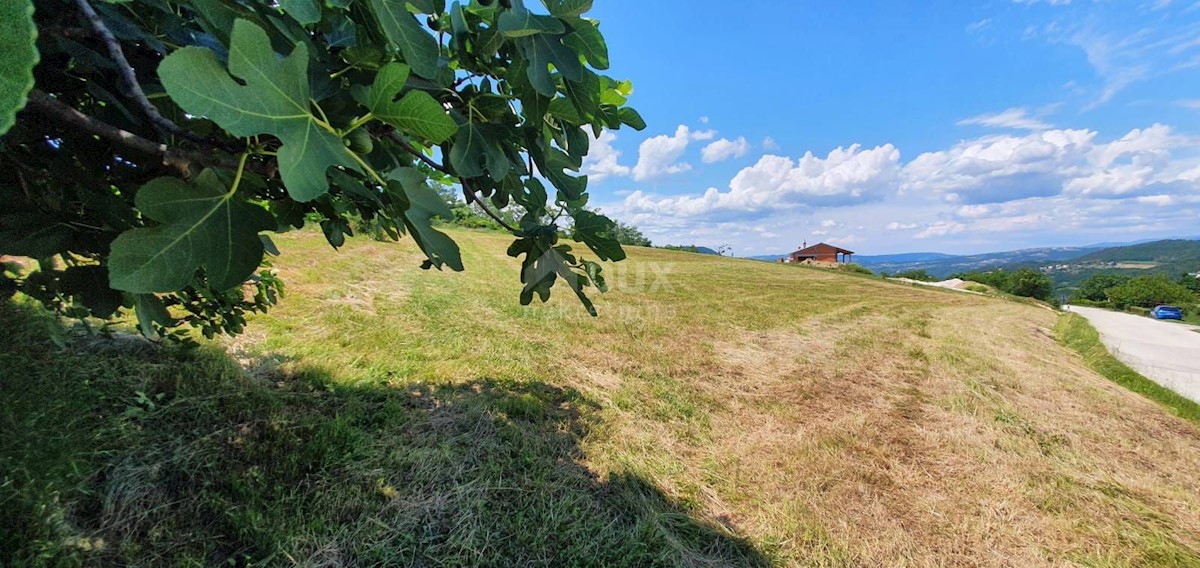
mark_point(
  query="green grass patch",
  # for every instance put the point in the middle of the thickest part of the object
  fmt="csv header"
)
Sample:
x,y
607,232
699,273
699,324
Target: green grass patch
x,y
1075,332
115,451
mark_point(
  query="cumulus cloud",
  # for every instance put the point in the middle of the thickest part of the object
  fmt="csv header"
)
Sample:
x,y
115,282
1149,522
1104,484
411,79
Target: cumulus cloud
x,y
602,159
659,155
769,144
1037,182
844,176
724,149
1003,168
1016,118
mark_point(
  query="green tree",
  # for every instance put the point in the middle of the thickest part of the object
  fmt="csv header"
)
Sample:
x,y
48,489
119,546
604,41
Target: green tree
x,y
627,234
1031,283
1150,291
918,274
1190,282
163,140
1095,287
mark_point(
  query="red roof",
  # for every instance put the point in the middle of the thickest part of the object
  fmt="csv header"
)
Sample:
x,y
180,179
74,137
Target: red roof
x,y
821,248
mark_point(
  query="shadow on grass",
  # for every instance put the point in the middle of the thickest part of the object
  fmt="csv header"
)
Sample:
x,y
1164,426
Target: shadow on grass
x,y
115,453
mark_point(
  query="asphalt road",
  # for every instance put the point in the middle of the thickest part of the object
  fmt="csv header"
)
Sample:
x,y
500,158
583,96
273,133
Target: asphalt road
x,y
1166,352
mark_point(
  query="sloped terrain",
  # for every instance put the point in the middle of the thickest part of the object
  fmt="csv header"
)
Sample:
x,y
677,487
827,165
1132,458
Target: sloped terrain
x,y
718,412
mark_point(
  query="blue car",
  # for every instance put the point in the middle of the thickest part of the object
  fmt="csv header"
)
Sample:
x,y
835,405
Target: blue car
x,y
1167,313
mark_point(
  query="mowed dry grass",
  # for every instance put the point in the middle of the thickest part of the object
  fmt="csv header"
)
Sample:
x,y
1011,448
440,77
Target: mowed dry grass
x,y
829,419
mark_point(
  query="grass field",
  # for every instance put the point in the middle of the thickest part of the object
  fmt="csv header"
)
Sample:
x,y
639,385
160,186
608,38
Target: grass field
x,y
719,412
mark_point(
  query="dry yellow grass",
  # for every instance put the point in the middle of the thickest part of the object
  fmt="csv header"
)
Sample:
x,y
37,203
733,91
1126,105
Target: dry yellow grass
x,y
830,419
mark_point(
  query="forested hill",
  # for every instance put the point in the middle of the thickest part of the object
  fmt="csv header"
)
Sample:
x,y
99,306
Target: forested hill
x,y
1175,250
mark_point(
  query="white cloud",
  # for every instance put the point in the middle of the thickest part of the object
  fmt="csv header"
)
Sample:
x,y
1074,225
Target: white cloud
x,y
846,175
1014,186
1193,104
1123,44
704,120
975,27
1016,117
845,241
602,159
724,149
769,144
940,229
1002,167
660,154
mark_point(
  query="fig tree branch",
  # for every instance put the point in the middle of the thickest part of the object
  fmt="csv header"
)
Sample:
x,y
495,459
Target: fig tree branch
x,y
130,78
63,114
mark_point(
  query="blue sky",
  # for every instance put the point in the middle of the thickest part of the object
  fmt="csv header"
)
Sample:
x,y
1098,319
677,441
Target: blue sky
x,y
891,127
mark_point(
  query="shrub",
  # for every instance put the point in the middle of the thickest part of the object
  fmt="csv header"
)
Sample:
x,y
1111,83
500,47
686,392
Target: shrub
x,y
1149,291
1095,287
919,274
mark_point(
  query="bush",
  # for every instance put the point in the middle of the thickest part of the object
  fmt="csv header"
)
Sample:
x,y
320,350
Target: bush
x,y
1095,287
919,274
856,269
1149,291
982,289
1031,284
629,235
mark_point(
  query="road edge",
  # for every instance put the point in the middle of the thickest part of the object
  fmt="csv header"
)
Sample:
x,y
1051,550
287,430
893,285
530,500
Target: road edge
x,y
1076,333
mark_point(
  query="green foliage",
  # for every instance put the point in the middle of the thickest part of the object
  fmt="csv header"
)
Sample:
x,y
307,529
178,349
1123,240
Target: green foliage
x,y
1190,282
18,55
1149,291
1030,283
1095,287
267,116
855,269
918,274
199,226
1025,282
627,234
691,248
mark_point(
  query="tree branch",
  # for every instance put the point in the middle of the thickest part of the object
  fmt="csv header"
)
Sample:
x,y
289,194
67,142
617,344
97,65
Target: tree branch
x,y
473,197
419,155
130,78
51,108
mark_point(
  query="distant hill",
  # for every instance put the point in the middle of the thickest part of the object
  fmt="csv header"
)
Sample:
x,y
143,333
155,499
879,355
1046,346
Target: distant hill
x,y
944,265
1174,250
1172,257
1179,254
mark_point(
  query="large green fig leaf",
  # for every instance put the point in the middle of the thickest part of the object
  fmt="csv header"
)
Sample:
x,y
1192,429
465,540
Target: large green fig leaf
x,y
274,100
419,49
592,229
200,226
417,113
423,205
18,55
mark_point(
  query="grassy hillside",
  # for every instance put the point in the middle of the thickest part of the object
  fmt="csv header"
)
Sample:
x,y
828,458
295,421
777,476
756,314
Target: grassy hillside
x,y
719,412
